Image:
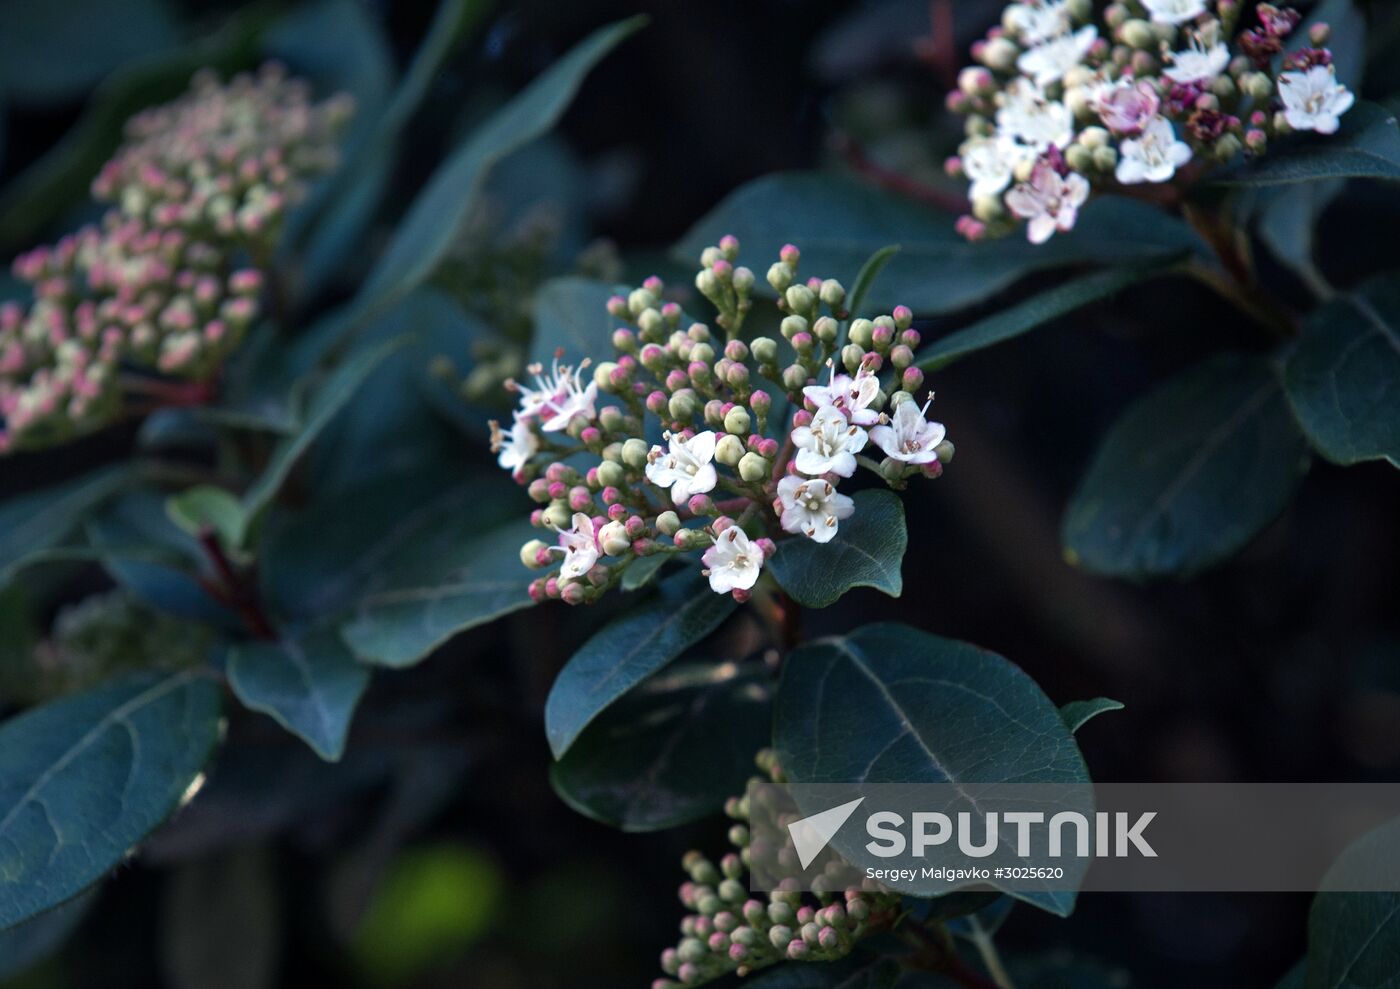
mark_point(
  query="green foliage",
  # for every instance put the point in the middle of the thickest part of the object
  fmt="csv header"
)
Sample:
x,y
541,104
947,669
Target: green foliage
x,y
85,778
856,972
839,224
1367,147
1354,938
670,751
867,551
1077,714
33,526
572,313
891,704
1188,475
1343,378
677,615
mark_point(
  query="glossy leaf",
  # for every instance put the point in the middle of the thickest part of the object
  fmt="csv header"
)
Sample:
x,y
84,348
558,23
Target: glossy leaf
x,y
865,278
838,224
1366,147
1077,714
1034,312
669,752
426,233
310,686
84,779
1343,377
572,313
33,524
1188,475
423,595
681,612
891,704
867,551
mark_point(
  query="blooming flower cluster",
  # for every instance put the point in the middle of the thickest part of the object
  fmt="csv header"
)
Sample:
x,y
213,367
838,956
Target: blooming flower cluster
x,y
730,931
169,279
674,447
1059,103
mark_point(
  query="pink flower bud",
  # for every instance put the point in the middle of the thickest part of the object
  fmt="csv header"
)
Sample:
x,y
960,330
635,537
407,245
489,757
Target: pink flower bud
x,y
801,418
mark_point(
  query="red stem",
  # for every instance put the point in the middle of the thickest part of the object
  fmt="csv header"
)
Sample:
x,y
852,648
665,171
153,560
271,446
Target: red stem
x,y
235,593
896,182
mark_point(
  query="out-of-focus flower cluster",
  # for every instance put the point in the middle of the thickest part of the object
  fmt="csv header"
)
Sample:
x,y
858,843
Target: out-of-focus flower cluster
x,y
735,467
169,279
1060,103
728,930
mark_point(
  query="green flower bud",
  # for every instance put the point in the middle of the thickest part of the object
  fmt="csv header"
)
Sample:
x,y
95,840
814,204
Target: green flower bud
x,y
892,470
612,453
639,301
709,904
707,283
737,421
1094,138
668,523
558,515
530,551
1137,33
792,325
743,280
800,298
851,358
826,329
709,256
1227,147
691,950
611,475
781,912
945,452
683,405
602,375
779,276
794,377
779,936
703,353
1000,54
634,454
1106,159
833,293
1258,85
729,450
861,330
752,467
732,891
1079,158
764,350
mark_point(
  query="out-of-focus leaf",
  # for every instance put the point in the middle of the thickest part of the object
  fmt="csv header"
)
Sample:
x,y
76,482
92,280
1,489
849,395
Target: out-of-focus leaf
x,y
643,571
206,507
865,278
857,972
1077,714
35,523
324,402
1188,475
1036,311
310,686
890,704
59,51
1366,147
62,175
427,231
444,581
571,314
82,780
1354,938
627,650
669,752
221,923
31,942
1343,378
838,223
867,551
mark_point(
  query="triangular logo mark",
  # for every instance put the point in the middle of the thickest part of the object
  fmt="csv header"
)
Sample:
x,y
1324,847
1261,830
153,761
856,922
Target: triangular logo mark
x,y
811,834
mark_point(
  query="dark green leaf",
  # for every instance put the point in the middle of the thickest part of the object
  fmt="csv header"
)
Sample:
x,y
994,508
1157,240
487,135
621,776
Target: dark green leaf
x,y
572,313
642,571
220,923
310,686
427,231
325,401
1343,378
669,752
1077,714
1354,938
1033,312
1188,475
865,279
857,972
838,224
867,551
681,612
890,704
1366,147
84,779
439,581
206,507
26,945
33,524
1296,977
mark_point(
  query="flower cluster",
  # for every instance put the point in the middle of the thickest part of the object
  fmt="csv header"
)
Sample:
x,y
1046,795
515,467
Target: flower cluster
x,y
730,931
579,436
1059,103
169,279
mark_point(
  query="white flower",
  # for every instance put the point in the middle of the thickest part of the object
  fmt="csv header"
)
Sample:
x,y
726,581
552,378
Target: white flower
x,y
1174,11
1049,201
1027,116
851,395
910,437
514,449
1154,156
1126,107
557,398
829,444
1314,100
686,469
812,507
580,546
1198,63
733,562
1037,21
1048,62
990,162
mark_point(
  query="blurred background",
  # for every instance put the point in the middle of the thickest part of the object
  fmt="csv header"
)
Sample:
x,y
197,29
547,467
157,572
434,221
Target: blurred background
x,y
436,853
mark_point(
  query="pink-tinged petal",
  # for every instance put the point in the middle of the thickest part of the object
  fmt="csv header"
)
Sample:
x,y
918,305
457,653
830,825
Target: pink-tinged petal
x,y
1040,229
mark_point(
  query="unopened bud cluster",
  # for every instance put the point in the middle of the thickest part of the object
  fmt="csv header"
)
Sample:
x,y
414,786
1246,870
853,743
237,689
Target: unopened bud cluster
x,y
730,930
732,474
166,281
1061,102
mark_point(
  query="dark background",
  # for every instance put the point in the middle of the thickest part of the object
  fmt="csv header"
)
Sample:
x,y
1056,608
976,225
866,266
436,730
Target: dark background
x,y
1280,666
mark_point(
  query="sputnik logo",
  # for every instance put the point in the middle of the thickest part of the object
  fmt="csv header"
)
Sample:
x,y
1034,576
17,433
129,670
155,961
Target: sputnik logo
x,y
812,834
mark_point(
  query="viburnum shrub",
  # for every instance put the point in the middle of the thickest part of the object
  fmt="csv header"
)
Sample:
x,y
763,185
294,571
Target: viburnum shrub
x,y
247,414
